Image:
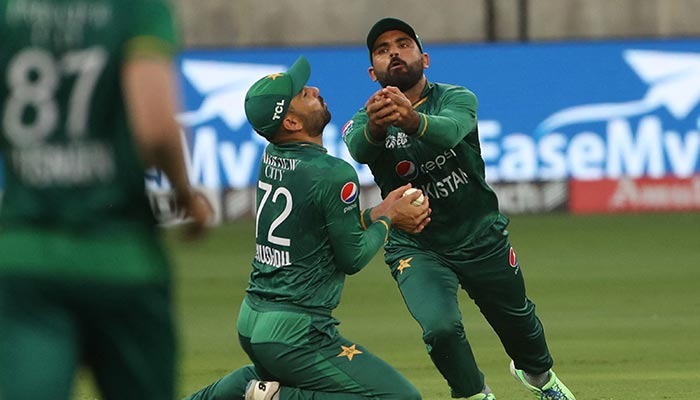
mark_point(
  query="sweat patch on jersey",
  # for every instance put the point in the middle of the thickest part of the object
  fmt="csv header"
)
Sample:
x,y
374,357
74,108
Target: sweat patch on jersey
x,y
349,192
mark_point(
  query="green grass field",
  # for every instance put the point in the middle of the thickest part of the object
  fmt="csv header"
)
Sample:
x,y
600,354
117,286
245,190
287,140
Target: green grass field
x,y
619,297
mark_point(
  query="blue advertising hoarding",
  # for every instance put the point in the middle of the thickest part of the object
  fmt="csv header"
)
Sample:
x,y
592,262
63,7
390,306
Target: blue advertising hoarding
x,y
553,111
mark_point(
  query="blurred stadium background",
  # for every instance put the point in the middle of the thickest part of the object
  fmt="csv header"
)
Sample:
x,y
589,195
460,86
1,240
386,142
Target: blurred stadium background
x,y
590,125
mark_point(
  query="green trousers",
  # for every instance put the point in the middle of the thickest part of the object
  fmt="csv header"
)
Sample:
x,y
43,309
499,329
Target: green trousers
x,y
310,359
123,333
429,283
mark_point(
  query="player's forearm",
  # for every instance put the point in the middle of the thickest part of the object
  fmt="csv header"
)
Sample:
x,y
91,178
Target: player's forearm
x,y
149,91
168,157
456,119
444,132
362,147
356,250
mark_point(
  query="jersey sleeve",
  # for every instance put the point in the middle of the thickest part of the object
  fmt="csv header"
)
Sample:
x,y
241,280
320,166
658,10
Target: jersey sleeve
x,y
455,120
338,197
362,146
152,31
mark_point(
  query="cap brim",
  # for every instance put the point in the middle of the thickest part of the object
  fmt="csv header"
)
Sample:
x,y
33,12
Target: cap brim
x,y
300,72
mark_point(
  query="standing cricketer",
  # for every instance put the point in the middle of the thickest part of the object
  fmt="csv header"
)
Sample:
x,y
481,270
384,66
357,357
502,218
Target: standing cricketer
x,y
425,133
87,101
308,238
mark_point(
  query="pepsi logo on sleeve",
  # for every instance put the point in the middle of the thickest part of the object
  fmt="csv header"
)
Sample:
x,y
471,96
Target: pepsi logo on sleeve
x,y
349,192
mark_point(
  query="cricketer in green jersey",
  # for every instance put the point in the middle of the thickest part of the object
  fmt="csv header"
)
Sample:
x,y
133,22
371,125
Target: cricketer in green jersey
x,y
86,103
308,238
425,133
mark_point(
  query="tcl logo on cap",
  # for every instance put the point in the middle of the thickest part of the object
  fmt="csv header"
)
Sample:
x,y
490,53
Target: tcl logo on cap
x,y
406,170
279,108
349,192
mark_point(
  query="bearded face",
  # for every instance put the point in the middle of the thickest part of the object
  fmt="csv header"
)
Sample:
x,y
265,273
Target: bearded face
x,y
317,120
404,75
311,109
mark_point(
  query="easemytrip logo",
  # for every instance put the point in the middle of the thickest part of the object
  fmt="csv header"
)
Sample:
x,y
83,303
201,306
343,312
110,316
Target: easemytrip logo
x,y
654,136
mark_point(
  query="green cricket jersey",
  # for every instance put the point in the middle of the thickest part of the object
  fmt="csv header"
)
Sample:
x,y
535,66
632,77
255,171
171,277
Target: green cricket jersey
x,y
74,202
308,230
443,158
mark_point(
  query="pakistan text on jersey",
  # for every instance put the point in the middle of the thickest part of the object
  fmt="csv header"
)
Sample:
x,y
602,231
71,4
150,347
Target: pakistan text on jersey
x,y
268,255
447,185
60,165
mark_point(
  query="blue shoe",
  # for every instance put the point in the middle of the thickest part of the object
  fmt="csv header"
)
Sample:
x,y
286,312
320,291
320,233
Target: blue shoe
x,y
554,389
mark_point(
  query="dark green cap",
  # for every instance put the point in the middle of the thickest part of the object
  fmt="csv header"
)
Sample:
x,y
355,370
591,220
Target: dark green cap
x,y
267,101
390,24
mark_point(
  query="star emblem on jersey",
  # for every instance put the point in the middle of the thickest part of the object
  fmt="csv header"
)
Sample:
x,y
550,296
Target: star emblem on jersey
x,y
274,76
349,352
403,264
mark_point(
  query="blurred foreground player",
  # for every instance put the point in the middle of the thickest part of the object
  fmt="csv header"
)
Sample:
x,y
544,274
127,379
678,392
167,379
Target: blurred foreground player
x,y
87,102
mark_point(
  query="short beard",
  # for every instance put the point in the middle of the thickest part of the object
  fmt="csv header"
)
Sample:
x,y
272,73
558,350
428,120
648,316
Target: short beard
x,y
317,122
401,80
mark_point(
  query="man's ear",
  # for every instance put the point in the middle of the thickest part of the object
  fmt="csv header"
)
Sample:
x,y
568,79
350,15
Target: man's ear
x,y
292,123
426,60
371,74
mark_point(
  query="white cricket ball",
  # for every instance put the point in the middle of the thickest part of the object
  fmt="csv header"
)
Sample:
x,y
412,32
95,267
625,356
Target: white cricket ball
x,y
417,202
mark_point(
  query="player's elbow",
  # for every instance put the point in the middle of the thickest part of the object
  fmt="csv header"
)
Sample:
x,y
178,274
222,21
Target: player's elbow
x,y
350,269
350,265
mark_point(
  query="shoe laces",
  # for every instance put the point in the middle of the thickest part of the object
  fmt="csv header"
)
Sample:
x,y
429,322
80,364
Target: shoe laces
x,y
553,393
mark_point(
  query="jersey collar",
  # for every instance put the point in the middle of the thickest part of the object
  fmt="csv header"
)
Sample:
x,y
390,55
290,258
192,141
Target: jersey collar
x,y
301,145
424,94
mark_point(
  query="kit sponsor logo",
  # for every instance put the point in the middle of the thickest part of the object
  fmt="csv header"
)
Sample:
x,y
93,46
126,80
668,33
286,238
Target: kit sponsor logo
x,y
349,193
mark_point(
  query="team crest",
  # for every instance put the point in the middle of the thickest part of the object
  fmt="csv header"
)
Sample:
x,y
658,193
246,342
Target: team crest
x,y
349,351
347,128
406,170
349,192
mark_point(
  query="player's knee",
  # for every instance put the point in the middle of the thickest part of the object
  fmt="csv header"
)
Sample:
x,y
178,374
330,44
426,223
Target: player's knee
x,y
438,330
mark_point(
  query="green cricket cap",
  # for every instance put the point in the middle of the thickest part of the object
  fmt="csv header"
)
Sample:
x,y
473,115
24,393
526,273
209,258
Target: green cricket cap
x,y
267,101
390,24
